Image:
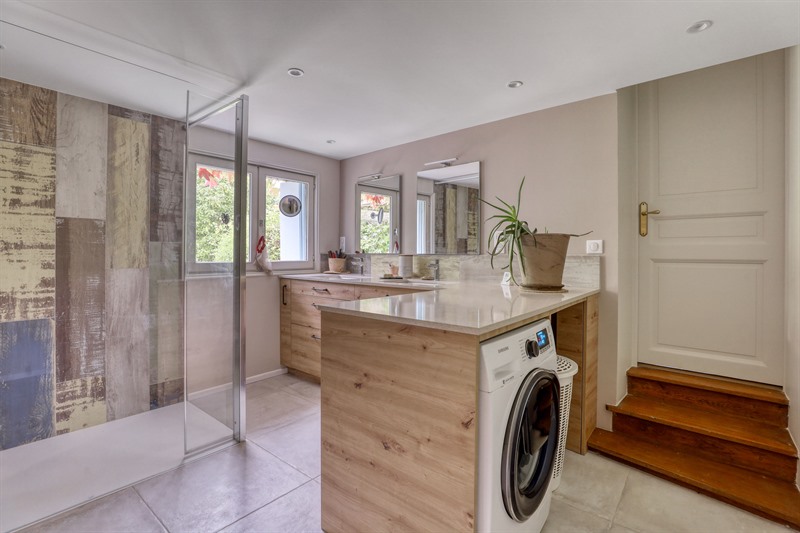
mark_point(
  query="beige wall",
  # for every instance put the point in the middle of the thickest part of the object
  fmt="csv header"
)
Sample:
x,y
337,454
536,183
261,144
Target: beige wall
x,y
793,240
569,155
262,328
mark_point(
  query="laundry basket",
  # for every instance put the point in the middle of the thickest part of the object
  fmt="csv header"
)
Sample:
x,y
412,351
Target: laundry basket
x,y
565,370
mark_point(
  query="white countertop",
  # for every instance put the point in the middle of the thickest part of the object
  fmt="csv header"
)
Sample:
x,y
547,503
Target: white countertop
x,y
472,307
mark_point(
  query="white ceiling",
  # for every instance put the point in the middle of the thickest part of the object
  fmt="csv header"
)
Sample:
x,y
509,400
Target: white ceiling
x,y
378,73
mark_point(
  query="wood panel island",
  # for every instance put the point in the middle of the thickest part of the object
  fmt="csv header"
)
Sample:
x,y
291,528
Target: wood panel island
x,y
399,378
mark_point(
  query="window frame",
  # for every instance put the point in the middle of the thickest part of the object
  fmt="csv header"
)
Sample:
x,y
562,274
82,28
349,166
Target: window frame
x,y
257,172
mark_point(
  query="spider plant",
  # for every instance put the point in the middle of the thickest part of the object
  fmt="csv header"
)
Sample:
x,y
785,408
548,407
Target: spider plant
x,y
508,231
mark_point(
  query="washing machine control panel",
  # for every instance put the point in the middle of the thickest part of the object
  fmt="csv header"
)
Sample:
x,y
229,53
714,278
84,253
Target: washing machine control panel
x,y
542,342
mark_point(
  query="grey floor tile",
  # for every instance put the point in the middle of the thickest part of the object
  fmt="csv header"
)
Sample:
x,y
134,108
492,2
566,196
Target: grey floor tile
x,y
213,492
123,511
650,504
565,518
592,483
275,409
297,443
297,512
616,528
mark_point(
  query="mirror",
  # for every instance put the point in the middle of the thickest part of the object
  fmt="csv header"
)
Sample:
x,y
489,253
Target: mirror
x,y
448,210
290,205
378,214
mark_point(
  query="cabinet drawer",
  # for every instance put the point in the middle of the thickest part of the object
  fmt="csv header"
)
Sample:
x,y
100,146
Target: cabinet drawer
x,y
364,293
322,290
306,343
305,311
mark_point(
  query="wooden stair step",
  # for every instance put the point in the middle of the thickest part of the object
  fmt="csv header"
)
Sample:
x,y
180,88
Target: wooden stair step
x,y
765,496
731,428
754,459
753,391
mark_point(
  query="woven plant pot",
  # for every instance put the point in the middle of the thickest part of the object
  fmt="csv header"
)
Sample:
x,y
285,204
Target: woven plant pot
x,y
543,256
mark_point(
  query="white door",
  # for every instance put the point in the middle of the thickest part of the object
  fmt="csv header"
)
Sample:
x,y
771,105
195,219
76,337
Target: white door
x,y
711,269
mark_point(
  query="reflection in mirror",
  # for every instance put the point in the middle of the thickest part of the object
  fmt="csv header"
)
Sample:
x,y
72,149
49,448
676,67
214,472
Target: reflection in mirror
x,y
378,214
448,210
290,205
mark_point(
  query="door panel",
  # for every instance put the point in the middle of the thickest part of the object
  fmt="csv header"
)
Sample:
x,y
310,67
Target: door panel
x,y
711,159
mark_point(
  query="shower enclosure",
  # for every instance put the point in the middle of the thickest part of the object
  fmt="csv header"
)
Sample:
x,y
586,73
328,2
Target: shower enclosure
x,y
121,346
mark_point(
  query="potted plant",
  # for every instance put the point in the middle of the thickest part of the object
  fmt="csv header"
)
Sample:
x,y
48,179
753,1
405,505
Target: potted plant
x,y
541,255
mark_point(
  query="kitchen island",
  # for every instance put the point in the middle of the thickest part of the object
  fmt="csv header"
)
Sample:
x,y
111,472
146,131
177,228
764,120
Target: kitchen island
x,y
400,392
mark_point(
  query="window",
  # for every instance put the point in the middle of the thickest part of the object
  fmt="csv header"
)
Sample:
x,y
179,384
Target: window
x,y
288,232
423,223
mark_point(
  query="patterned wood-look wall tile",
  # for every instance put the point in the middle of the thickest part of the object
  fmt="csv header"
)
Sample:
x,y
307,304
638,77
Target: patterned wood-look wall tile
x,y
131,114
27,114
166,393
127,342
80,403
166,312
127,211
80,298
26,382
81,153
473,221
167,141
27,232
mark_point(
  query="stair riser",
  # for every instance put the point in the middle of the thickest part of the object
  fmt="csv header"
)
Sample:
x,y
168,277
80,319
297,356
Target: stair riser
x,y
754,459
765,412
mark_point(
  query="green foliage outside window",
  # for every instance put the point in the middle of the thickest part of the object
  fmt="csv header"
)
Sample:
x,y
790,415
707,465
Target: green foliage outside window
x,y
214,215
374,237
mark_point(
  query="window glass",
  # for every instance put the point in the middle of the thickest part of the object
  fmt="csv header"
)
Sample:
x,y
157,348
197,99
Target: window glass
x,y
286,234
214,187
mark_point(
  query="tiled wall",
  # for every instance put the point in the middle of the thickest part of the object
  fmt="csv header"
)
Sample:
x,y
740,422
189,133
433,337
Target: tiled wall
x,y
91,302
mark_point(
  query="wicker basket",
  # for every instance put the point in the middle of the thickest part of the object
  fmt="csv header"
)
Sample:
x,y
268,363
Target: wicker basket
x,y
566,368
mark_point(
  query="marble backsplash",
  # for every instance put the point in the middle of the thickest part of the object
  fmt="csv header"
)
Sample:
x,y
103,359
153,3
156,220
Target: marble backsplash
x,y
579,270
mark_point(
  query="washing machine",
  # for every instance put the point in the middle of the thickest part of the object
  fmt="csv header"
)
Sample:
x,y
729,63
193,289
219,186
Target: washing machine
x,y
518,425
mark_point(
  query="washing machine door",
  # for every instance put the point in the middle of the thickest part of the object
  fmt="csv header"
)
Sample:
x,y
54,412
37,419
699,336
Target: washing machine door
x,y
530,444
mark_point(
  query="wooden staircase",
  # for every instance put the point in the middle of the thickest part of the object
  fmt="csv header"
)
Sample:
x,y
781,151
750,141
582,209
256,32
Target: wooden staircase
x,y
726,439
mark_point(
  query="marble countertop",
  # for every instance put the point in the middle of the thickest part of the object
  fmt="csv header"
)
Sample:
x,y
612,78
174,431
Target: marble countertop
x,y
356,279
473,307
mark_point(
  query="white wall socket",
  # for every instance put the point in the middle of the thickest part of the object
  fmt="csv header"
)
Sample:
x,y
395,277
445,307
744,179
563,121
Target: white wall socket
x,y
594,247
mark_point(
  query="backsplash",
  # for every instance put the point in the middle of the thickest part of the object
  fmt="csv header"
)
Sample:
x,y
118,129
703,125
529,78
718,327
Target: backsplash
x,y
579,270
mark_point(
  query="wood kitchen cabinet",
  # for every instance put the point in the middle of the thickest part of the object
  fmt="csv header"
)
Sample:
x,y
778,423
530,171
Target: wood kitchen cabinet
x,y
300,318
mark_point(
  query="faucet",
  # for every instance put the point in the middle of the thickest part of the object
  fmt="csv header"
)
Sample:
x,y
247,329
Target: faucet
x,y
434,265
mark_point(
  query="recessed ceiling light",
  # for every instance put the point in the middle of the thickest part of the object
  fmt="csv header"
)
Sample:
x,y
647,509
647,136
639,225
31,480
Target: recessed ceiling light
x,y
331,141
514,84
295,72
700,25
1,47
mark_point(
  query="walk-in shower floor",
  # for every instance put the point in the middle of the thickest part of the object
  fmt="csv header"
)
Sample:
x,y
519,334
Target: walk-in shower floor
x,y
48,476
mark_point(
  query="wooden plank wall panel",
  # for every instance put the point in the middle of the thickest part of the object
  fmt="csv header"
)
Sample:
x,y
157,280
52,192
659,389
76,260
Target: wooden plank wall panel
x,y
80,403
27,114
26,382
81,154
127,342
80,298
127,211
167,141
27,240
167,317
412,417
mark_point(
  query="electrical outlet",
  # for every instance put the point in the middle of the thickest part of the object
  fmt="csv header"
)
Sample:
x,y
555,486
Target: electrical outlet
x,y
594,247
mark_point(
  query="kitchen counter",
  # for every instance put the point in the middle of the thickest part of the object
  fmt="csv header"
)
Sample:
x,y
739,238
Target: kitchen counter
x,y
476,308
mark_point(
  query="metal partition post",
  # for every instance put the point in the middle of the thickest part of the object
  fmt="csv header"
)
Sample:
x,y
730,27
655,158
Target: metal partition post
x,y
239,272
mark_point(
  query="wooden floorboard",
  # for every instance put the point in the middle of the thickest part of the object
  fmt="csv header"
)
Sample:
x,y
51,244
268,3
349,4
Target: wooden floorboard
x,y
765,496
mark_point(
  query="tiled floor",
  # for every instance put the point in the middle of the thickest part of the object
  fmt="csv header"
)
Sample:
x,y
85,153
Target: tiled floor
x,y
271,484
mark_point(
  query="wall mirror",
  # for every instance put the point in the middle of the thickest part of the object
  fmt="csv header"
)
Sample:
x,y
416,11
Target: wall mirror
x,y
378,214
448,210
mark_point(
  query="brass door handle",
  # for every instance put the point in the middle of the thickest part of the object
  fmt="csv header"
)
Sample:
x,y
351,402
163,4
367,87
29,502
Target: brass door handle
x,y
643,212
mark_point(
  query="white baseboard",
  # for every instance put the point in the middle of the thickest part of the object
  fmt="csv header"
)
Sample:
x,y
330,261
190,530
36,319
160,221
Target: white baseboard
x,y
227,386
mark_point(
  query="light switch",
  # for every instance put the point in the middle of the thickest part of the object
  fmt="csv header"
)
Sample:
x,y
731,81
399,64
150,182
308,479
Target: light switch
x,y
594,247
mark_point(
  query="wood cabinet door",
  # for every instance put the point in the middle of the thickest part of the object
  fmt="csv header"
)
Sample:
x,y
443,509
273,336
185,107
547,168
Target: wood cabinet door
x,y
286,322
306,349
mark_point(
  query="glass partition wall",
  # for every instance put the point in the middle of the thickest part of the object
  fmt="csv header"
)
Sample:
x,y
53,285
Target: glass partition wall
x,y
108,375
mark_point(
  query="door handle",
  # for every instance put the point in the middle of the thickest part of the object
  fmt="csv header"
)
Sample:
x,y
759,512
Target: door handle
x,y
643,212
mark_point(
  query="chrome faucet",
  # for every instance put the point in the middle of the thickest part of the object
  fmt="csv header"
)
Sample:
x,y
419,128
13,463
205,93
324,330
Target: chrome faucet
x,y
434,265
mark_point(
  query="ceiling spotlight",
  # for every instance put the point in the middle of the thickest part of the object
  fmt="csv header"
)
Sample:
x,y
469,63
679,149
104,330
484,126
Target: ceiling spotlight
x,y
514,84
331,141
295,72
701,25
